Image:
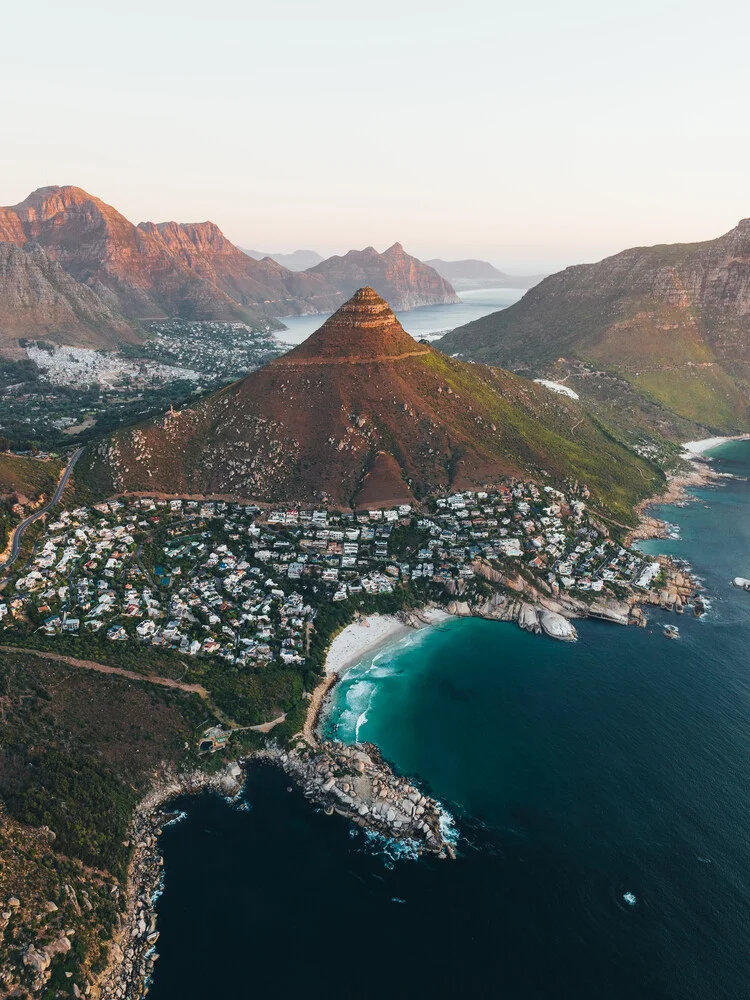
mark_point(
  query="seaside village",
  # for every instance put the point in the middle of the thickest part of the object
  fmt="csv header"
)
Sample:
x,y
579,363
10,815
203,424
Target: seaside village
x,y
230,580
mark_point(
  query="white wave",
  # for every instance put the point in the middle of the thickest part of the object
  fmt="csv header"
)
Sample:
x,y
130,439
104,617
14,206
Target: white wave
x,y
360,722
177,818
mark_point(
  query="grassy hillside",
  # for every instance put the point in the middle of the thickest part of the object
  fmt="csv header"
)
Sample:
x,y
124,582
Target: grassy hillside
x,y
667,327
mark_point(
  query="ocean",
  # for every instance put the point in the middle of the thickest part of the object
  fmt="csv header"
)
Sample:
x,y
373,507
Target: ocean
x,y
576,774
428,321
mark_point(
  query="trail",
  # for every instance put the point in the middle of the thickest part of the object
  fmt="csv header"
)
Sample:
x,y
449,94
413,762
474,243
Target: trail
x,y
104,668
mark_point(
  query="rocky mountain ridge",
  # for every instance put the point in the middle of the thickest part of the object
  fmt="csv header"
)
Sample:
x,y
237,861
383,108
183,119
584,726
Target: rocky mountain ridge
x,y
405,282
119,275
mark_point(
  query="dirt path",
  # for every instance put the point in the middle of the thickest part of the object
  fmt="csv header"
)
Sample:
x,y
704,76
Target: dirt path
x,y
102,668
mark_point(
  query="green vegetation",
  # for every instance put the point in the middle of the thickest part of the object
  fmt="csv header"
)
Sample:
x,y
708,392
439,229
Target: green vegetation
x,y
77,750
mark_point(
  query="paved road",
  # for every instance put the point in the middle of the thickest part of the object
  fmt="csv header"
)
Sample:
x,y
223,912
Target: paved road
x,y
18,533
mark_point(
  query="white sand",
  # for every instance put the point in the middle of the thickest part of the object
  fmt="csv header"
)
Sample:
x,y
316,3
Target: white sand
x,y
365,636
700,447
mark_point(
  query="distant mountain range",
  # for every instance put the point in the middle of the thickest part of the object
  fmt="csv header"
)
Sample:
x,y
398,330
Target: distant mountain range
x,y
655,339
362,414
404,281
297,260
87,276
467,275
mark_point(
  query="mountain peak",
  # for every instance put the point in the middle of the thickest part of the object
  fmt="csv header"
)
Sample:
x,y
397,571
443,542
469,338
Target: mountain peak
x,y
364,328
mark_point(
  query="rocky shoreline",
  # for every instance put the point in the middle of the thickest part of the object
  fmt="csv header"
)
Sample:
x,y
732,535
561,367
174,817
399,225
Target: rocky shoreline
x,y
133,950
352,781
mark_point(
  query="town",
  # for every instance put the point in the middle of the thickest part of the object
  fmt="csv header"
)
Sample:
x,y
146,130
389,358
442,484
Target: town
x,y
59,395
212,578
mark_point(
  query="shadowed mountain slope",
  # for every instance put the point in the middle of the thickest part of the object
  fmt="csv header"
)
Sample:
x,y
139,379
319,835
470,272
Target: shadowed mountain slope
x,y
38,299
362,413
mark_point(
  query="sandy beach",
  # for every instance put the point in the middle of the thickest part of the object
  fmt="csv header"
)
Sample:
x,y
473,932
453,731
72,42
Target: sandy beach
x,y
701,447
360,639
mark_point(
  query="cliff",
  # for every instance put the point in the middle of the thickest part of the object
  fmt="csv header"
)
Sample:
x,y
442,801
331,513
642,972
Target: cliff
x,y
263,284
38,299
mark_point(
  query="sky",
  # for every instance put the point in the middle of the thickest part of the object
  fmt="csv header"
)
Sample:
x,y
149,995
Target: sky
x,y
535,134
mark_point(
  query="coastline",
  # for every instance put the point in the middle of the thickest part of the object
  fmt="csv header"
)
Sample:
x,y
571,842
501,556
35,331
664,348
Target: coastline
x,y
363,637
133,954
407,813
698,473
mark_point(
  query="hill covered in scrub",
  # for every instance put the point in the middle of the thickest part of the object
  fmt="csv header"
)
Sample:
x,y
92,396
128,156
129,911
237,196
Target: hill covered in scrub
x,y
655,339
361,414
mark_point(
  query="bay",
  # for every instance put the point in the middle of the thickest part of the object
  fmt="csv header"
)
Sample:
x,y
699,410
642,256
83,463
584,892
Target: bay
x,y
427,321
576,773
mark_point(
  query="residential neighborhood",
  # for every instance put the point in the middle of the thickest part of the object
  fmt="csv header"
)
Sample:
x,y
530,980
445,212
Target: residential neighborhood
x,y
232,580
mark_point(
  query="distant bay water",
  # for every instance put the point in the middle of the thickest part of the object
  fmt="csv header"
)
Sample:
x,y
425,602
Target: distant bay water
x,y
428,321
576,774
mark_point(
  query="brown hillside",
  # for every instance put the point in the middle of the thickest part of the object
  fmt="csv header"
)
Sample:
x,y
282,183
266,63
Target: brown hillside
x,y
363,413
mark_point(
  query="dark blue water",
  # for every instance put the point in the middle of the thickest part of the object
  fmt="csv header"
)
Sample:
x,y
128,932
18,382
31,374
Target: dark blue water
x,y
576,773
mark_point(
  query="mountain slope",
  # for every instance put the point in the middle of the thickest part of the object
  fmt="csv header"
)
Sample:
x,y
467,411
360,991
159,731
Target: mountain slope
x,y
263,284
38,299
128,268
362,413
465,275
670,324
404,281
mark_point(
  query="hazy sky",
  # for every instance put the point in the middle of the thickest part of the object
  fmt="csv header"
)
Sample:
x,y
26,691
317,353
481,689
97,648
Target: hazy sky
x,y
535,134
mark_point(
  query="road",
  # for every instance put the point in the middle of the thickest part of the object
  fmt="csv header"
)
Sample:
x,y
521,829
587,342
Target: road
x,y
19,530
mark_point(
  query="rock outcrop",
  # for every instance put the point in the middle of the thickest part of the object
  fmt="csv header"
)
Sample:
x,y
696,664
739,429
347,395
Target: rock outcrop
x,y
404,281
354,781
264,283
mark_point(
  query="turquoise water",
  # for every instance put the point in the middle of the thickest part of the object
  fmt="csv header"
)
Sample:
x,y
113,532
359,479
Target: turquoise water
x,y
429,321
576,773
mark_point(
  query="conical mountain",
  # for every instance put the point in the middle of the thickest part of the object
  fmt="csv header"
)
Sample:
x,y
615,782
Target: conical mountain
x,y
363,414
364,328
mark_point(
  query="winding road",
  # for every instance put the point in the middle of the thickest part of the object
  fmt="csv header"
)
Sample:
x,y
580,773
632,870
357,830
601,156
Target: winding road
x,y
19,530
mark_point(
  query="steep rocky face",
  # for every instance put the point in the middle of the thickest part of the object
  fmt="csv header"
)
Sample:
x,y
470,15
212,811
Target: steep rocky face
x,y
38,299
671,321
127,267
403,280
361,413
265,284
